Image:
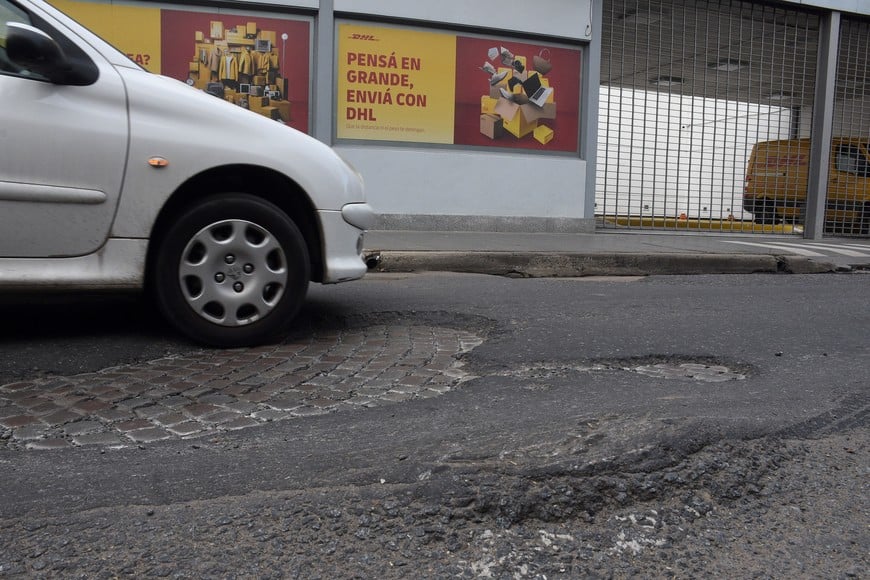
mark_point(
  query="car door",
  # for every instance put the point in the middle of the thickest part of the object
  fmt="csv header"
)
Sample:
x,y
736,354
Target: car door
x,y
62,150
849,181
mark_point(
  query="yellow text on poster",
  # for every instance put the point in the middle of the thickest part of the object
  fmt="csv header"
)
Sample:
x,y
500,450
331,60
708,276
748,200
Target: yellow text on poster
x,y
133,30
395,84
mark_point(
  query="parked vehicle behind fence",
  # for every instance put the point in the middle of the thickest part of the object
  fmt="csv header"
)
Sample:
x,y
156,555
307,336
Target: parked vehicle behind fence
x,y
777,177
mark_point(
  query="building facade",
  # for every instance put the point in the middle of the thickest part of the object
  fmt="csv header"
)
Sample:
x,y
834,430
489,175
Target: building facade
x,y
557,116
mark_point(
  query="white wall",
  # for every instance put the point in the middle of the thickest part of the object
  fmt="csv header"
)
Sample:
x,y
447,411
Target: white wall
x,y
432,181
413,181
555,18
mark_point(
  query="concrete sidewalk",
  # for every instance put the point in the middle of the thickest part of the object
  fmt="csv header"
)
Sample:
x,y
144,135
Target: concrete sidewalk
x,y
610,253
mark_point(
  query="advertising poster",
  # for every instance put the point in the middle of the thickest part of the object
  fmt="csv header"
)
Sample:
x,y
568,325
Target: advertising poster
x,y
261,64
395,84
406,85
135,30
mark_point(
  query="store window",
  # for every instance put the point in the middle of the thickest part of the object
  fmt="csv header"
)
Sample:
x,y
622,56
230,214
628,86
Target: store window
x,y
850,159
9,13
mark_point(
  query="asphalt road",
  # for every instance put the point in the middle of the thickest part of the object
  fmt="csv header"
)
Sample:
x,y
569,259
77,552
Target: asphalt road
x,y
661,426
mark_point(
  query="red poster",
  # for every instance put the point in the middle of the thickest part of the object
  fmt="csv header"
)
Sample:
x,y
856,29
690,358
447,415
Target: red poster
x,y
517,95
261,64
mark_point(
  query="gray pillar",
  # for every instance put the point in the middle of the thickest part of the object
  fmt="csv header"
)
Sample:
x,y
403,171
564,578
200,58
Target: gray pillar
x,y
589,104
823,119
323,96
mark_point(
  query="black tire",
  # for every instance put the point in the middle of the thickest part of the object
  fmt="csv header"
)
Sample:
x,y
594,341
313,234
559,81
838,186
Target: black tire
x,y
231,271
765,212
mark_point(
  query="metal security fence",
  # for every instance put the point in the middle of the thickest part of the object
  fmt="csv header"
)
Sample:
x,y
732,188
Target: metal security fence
x,y
689,87
848,195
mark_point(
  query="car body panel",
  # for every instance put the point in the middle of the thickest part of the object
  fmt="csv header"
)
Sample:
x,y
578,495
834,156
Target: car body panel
x,y
90,223
57,197
171,120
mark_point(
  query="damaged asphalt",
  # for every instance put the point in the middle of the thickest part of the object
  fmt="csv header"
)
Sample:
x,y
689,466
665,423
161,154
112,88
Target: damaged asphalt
x,y
639,427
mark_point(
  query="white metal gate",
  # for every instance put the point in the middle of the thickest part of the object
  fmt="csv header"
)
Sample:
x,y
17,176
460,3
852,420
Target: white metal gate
x,y
688,88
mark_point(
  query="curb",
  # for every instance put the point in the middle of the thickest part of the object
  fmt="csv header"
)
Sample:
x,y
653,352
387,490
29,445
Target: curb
x,y
554,265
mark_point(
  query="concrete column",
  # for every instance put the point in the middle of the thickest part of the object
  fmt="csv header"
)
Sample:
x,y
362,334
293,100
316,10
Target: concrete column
x,y
589,104
323,90
823,118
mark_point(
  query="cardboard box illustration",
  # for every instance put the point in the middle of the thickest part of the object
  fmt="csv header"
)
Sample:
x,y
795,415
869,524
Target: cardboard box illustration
x,y
535,113
283,109
492,126
543,134
515,121
487,104
216,29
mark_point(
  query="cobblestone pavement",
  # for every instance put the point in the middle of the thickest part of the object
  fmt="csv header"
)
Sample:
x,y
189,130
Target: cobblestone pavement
x,y
225,390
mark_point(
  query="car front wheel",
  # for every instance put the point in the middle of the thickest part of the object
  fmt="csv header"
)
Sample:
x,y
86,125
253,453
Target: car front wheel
x,y
231,271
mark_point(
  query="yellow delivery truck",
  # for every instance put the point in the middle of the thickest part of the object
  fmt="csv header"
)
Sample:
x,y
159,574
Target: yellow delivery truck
x,y
775,190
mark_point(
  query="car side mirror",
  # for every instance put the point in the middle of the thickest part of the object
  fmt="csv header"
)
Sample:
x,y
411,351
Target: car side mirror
x,y
37,52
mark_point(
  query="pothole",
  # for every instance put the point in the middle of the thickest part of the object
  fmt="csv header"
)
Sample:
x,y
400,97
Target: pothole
x,y
697,371
656,367
212,391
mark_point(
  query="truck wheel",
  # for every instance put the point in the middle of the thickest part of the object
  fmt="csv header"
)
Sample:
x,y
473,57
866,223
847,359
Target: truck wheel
x,y
765,212
231,271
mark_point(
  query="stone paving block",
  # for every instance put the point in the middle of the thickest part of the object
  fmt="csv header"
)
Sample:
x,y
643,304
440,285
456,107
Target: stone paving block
x,y
406,389
10,411
31,402
112,414
151,411
48,444
170,419
308,412
18,421
414,380
148,435
135,403
19,386
220,417
270,415
101,439
253,381
241,407
132,425
254,397
358,401
175,402
199,410
83,427
61,417
231,389
216,399
185,429
322,403
29,432
239,423
89,406
45,409
395,397
235,390
136,388
197,392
